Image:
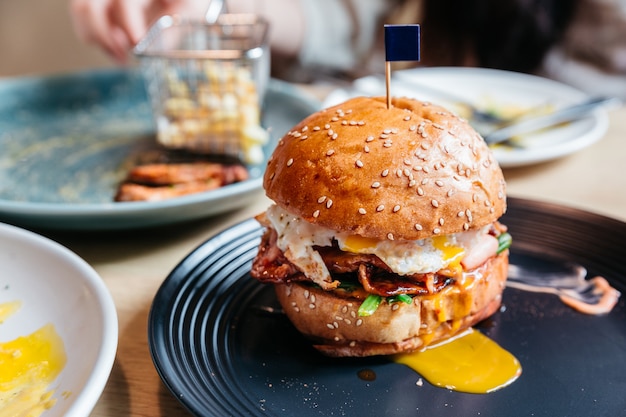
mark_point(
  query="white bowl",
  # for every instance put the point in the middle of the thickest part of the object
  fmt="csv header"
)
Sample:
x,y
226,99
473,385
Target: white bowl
x,y
56,286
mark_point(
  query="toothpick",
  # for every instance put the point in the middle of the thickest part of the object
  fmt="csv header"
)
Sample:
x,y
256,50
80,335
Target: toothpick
x,y
388,82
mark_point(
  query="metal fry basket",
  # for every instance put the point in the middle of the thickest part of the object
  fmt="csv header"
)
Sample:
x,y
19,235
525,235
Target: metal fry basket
x,y
206,83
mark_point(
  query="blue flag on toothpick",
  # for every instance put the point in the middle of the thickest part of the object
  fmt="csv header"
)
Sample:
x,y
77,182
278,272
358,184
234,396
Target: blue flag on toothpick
x,y
402,43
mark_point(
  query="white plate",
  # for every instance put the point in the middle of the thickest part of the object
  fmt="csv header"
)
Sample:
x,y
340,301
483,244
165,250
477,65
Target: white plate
x,y
505,88
56,286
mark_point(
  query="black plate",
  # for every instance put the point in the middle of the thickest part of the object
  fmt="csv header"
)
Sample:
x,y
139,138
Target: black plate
x,y
221,351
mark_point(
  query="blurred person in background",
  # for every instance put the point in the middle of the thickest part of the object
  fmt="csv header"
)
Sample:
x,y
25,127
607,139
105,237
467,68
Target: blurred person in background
x,y
579,42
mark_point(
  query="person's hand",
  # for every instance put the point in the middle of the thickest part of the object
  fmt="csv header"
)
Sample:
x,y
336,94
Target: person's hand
x,y
117,25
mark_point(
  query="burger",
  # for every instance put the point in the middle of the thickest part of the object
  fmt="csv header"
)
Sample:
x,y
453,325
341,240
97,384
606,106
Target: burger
x,y
384,234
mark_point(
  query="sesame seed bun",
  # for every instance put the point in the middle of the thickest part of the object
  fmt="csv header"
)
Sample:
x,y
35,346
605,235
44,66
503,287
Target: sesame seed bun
x,y
336,329
408,172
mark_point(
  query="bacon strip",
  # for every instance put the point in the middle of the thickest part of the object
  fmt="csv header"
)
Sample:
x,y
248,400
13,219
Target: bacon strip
x,y
155,182
166,174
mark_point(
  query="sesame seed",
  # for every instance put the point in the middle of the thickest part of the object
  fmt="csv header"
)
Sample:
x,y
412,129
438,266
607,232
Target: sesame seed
x,y
439,183
344,122
387,143
330,152
460,214
362,211
407,118
316,214
335,136
412,183
359,163
326,126
436,230
384,173
361,123
334,119
396,208
395,306
330,132
316,128
359,322
352,123
296,134
312,298
420,191
305,128
384,136
366,149
304,137
375,184
321,199
441,221
387,131
306,293
465,226
330,326
329,203
369,139
344,309
390,236
434,203
311,306
272,175
290,162
380,208
413,128
418,227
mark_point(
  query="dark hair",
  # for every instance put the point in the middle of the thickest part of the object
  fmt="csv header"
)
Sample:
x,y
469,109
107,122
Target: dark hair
x,y
503,34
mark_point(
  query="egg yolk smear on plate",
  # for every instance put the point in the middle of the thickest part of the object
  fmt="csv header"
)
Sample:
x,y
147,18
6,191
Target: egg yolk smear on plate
x,y
28,364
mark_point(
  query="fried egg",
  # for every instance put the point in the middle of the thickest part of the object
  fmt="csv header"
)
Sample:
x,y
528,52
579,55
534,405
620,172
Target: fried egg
x,y
297,238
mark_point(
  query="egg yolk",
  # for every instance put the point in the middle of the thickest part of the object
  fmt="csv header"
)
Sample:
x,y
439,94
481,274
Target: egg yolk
x,y
451,254
358,244
28,365
470,362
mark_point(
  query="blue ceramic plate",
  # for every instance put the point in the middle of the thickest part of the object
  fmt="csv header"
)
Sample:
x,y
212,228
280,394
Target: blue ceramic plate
x,y
68,140
222,347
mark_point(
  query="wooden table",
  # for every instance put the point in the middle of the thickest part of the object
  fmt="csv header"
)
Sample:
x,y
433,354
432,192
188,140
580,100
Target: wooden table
x,y
133,264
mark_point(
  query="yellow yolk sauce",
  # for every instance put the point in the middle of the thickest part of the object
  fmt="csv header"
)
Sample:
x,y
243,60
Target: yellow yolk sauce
x,y
28,364
470,362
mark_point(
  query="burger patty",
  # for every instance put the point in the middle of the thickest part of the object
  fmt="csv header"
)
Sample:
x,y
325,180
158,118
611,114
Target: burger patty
x,y
271,266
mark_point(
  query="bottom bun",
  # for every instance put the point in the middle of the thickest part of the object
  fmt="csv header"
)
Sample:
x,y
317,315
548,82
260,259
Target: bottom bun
x,y
335,328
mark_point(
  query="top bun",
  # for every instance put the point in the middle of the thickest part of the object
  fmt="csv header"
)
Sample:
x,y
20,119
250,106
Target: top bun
x,y
408,172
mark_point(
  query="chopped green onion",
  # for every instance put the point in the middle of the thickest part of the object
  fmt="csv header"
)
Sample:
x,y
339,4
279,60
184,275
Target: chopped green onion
x,y
504,242
369,305
403,298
